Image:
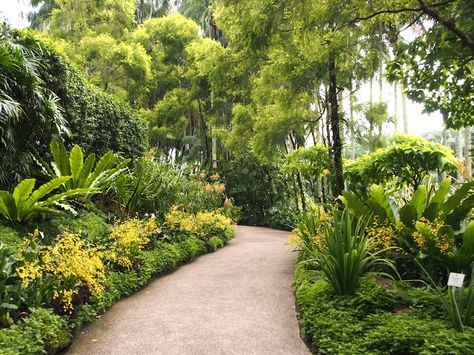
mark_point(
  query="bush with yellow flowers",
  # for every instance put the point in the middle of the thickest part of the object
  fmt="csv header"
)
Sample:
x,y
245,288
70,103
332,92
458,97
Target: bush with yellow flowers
x,y
72,265
203,225
381,234
432,238
127,239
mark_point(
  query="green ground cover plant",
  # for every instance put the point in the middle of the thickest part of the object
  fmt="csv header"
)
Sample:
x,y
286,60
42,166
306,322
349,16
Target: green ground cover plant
x,y
382,316
71,281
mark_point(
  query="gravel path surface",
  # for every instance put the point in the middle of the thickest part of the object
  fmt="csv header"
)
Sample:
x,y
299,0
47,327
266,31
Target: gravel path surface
x,y
238,300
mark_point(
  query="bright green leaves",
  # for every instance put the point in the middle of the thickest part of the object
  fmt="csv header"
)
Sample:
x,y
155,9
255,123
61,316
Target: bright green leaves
x,y
83,174
409,160
25,204
72,19
310,162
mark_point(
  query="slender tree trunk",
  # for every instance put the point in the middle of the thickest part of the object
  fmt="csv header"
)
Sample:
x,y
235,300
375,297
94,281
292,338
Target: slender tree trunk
x,y
404,110
467,150
214,148
371,91
381,82
459,144
395,95
338,179
204,129
351,117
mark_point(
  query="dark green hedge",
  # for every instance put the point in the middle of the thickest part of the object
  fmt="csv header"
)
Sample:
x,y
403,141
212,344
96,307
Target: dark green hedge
x,y
46,333
97,121
381,318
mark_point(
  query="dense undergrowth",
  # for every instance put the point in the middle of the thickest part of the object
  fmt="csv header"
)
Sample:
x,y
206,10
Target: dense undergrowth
x,y
382,317
129,263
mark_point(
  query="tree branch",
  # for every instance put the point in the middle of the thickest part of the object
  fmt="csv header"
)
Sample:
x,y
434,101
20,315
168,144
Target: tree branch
x,y
431,11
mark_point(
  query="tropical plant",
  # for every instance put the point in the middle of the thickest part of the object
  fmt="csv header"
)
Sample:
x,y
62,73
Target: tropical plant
x,y
460,304
151,186
9,286
406,163
84,174
29,110
433,224
71,264
343,253
26,203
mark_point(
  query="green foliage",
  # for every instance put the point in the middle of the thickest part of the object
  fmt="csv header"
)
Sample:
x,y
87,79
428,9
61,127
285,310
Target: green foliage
x,y
409,160
260,190
29,111
26,203
91,225
41,333
45,98
434,225
150,187
436,67
71,20
309,162
342,254
381,317
9,287
460,303
9,236
84,173
119,68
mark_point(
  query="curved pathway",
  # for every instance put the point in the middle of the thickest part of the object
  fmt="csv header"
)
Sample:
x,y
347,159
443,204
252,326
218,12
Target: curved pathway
x,y
238,300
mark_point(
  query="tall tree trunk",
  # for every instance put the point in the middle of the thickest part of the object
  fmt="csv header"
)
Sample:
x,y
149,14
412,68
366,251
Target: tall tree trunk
x,y
404,110
395,95
371,91
381,82
336,147
204,129
351,118
467,150
214,148
459,144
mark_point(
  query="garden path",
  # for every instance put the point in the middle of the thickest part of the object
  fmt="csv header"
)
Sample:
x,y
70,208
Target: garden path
x,y
238,300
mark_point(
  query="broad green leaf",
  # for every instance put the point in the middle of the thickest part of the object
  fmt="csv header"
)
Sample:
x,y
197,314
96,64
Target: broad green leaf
x,y
61,159
379,202
45,189
468,240
22,191
103,164
353,202
76,161
7,205
455,199
431,211
460,213
442,191
408,215
419,200
86,171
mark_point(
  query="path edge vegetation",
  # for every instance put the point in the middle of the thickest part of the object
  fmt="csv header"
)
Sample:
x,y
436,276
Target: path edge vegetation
x,y
44,332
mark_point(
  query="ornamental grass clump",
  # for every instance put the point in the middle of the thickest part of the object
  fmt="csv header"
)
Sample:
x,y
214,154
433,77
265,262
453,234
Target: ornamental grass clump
x,y
343,254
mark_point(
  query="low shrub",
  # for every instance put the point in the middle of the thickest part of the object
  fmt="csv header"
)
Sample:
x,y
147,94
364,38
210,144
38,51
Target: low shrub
x,y
41,333
382,317
71,268
73,263
203,225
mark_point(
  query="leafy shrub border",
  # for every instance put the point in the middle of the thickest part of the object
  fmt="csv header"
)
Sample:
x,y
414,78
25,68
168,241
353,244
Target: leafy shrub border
x,y
48,333
376,320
